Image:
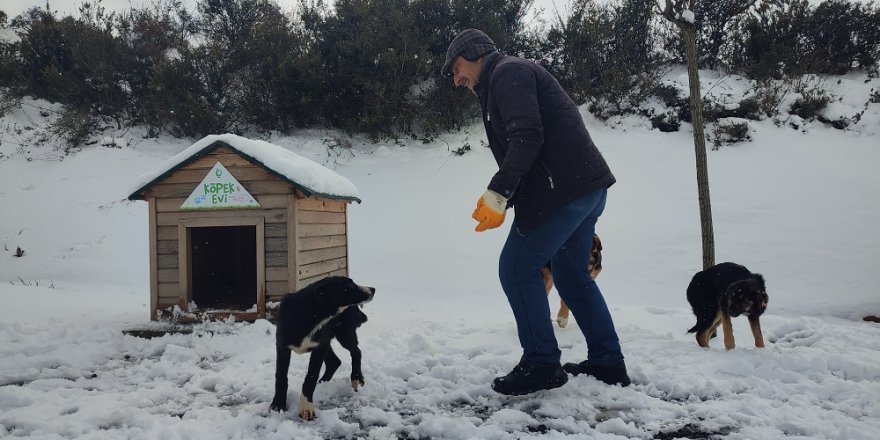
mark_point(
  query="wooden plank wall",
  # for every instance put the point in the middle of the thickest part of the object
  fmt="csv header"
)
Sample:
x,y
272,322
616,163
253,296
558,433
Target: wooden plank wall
x,y
323,245
271,192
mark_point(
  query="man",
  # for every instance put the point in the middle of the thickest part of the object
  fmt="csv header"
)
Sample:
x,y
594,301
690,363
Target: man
x,y
554,176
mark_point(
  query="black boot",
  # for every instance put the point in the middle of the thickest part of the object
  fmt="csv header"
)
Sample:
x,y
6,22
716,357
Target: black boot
x,y
614,374
528,377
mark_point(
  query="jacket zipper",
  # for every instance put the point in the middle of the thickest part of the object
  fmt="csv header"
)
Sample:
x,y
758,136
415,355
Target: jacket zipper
x,y
549,176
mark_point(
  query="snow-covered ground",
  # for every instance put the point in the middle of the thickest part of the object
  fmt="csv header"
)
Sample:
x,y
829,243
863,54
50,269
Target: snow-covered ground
x,y
799,206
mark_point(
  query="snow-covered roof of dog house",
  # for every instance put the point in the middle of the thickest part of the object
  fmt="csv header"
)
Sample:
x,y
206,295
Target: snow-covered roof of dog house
x,y
313,179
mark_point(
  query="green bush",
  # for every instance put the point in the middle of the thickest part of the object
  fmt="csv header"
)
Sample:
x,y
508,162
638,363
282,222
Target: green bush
x,y
844,35
729,132
714,20
178,102
769,94
812,100
790,38
380,60
77,62
605,54
666,122
156,36
771,43
76,127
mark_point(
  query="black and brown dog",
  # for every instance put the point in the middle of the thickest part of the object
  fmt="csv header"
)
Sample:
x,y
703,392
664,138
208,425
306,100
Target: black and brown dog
x,y
594,266
723,291
307,321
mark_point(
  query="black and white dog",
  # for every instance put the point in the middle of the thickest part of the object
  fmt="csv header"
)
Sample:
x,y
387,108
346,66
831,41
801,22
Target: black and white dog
x,y
307,321
723,291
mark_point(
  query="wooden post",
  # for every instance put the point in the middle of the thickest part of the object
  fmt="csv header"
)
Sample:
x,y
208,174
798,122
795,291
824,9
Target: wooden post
x,y
292,244
154,260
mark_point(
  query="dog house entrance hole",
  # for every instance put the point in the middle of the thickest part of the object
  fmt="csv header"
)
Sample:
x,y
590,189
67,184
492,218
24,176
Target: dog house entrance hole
x,y
224,267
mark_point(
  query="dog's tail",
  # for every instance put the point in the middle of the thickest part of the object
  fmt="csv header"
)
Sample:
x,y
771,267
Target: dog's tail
x,y
698,328
702,322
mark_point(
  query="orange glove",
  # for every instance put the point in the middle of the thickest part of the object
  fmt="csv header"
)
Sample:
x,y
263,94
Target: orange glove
x,y
490,211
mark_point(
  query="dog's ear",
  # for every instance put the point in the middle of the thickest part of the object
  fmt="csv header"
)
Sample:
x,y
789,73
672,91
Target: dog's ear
x,y
760,279
597,243
763,292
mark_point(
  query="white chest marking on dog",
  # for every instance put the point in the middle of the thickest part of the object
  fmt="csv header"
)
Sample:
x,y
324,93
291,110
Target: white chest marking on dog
x,y
308,342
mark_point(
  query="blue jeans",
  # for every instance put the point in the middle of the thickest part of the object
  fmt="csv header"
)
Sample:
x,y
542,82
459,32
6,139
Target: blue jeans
x,y
565,239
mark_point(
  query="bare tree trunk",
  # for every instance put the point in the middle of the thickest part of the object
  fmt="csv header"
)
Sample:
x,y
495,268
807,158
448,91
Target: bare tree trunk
x,y
696,101
674,11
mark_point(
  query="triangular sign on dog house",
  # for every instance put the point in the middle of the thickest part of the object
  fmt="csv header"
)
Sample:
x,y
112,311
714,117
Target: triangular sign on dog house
x,y
219,190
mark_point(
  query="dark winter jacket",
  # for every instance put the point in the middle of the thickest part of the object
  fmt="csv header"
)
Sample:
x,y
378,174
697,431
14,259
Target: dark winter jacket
x,y
537,135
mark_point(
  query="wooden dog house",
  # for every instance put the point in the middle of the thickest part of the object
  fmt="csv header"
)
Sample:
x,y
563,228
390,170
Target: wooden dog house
x,y
235,223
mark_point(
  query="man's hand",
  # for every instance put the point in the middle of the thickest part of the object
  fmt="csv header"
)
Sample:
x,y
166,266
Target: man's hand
x,y
490,211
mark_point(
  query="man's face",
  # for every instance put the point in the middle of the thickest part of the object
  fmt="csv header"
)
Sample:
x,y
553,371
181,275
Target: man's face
x,y
466,73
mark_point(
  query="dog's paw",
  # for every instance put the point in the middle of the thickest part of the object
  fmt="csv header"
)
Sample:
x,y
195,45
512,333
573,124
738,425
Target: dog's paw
x,y
561,322
729,342
356,383
306,409
278,405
